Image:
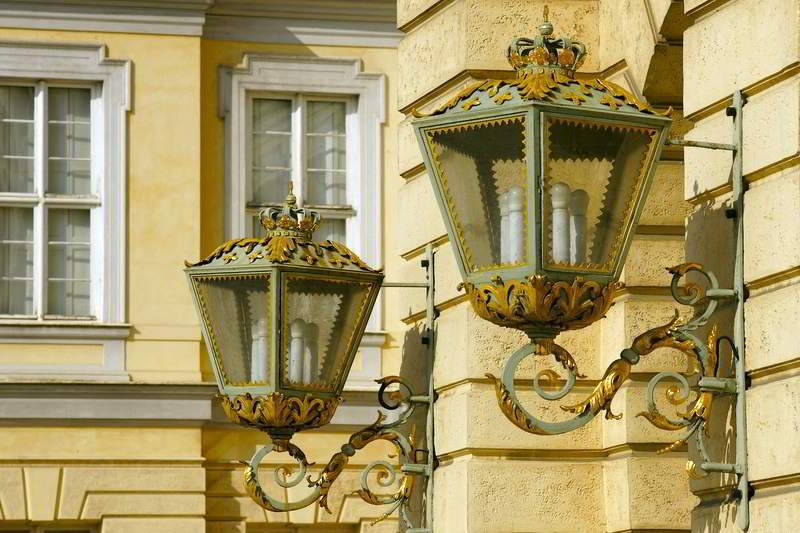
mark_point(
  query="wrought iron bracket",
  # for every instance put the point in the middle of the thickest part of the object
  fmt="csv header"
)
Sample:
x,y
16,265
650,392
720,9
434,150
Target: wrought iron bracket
x,y
677,334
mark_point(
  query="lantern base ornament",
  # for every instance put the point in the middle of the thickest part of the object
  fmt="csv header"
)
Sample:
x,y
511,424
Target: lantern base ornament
x,y
540,307
279,415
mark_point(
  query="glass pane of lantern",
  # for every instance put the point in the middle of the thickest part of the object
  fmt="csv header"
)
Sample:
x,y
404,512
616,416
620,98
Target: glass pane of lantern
x,y
593,172
483,173
236,312
321,317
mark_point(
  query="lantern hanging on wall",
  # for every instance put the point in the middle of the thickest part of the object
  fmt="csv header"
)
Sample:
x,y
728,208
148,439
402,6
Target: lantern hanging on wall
x,y
282,318
541,180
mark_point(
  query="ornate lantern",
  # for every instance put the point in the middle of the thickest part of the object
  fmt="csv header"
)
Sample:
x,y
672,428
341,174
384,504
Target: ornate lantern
x,y
282,319
540,180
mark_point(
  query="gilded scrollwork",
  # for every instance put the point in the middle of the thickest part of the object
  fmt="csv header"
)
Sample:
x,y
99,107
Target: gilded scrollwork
x,y
287,249
288,242
540,302
551,85
501,302
600,399
260,412
277,411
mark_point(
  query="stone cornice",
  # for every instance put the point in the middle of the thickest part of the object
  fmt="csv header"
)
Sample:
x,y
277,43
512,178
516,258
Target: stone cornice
x,y
349,10
132,404
173,17
310,22
561,454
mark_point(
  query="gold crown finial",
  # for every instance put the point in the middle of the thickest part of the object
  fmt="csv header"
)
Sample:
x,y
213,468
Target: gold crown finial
x,y
289,219
545,52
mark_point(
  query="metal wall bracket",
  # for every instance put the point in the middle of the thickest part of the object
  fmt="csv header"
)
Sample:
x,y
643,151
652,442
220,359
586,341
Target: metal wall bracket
x,y
425,469
737,385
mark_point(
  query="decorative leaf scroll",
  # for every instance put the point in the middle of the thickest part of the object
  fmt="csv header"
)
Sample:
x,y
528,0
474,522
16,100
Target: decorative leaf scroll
x,y
547,86
502,303
277,411
269,412
539,302
284,249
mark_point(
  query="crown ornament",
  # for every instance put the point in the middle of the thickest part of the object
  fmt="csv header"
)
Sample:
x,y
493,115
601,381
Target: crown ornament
x,y
546,53
290,220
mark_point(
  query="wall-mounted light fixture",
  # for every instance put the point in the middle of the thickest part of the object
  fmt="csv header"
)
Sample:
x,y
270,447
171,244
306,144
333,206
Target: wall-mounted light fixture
x,y
540,181
282,319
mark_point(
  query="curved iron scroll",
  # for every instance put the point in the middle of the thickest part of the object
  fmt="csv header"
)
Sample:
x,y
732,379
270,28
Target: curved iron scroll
x,y
677,334
387,472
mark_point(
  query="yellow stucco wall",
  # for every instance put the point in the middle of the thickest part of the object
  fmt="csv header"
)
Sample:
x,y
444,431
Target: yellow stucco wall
x,y
137,477
163,196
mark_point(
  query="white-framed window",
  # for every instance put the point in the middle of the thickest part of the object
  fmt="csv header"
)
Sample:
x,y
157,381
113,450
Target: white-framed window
x,y
49,200
63,172
302,139
316,122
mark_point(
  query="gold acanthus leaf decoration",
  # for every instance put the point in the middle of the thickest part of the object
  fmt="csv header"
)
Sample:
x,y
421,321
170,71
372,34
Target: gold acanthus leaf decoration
x,y
512,410
619,371
277,411
548,346
600,399
281,248
538,301
700,410
542,86
339,461
284,249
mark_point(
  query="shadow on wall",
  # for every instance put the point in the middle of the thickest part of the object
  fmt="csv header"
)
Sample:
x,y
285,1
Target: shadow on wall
x,y
711,241
416,366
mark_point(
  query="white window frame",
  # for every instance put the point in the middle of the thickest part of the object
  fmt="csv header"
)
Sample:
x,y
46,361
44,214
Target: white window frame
x,y
42,203
299,160
333,77
85,66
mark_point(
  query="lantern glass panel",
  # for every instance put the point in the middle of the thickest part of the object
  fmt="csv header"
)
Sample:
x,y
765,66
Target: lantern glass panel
x,y
236,310
593,174
321,319
483,171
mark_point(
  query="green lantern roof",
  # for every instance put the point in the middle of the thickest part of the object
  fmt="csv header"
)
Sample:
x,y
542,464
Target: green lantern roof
x,y
288,243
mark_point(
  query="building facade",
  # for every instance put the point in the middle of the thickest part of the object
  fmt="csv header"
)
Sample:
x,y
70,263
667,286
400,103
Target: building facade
x,y
136,135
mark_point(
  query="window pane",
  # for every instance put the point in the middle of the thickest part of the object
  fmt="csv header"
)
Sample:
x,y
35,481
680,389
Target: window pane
x,y
326,117
269,186
69,141
331,229
16,261
244,353
16,139
326,159
68,262
270,115
326,152
327,188
271,151
319,321
256,229
482,170
594,169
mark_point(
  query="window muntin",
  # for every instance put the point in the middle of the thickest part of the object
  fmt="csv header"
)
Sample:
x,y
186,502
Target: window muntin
x,y
301,139
47,197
